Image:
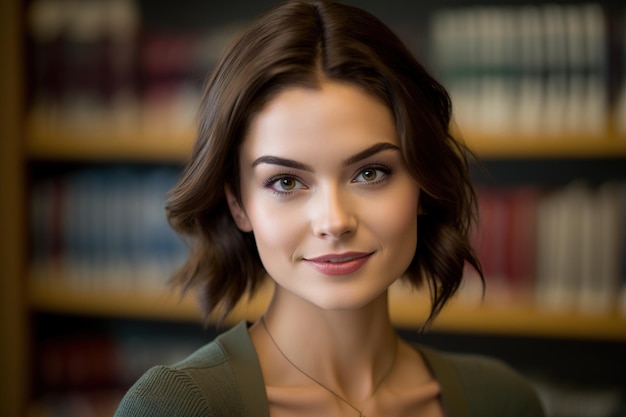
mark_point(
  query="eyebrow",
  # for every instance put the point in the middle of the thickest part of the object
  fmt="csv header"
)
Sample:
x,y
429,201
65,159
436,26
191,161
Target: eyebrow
x,y
372,150
290,163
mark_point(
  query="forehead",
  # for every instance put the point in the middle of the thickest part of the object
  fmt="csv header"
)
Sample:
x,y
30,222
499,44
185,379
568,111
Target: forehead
x,y
336,115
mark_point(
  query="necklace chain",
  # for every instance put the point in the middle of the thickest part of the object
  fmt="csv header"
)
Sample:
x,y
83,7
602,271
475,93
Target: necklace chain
x,y
393,361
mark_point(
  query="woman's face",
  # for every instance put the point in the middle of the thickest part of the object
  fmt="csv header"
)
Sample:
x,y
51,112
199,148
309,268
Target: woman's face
x,y
327,196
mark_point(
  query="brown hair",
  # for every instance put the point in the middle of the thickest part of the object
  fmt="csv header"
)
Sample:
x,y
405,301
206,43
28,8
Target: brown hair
x,y
300,43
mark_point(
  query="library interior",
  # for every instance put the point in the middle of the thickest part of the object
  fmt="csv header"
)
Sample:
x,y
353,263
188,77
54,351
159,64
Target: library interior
x,y
97,117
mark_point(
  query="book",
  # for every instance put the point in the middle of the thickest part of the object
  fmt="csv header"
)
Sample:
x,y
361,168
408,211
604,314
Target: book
x,y
105,228
525,70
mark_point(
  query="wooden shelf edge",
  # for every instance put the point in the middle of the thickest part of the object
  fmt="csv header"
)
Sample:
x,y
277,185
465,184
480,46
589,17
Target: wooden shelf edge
x,y
138,144
125,146
168,305
544,146
112,303
526,320
407,311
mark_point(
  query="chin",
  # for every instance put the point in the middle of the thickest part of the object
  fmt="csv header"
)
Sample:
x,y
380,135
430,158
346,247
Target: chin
x,y
340,301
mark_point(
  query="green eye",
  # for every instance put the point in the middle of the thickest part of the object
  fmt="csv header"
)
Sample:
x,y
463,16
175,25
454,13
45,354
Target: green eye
x,y
287,184
372,175
284,184
369,174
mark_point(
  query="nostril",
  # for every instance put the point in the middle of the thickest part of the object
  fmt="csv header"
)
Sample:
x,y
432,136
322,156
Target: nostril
x,y
336,229
332,216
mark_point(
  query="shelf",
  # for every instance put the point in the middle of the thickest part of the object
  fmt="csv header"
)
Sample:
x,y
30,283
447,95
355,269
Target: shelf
x,y
545,146
65,144
407,311
152,304
524,320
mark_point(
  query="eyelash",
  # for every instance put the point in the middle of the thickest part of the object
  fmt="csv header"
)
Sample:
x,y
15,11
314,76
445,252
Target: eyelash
x,y
270,182
386,170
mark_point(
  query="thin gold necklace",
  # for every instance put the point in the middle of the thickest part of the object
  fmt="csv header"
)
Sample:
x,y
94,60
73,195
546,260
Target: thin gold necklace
x,y
393,361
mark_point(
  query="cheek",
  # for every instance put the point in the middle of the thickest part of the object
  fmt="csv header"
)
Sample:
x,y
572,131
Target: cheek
x,y
397,224
275,229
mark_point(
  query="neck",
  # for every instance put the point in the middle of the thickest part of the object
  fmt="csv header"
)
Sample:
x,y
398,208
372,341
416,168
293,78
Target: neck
x,y
348,351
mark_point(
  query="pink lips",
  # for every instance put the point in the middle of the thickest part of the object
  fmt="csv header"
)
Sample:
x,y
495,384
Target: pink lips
x,y
339,264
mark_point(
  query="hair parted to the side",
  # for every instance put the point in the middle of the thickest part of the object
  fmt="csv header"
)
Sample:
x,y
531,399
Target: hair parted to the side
x,y
301,43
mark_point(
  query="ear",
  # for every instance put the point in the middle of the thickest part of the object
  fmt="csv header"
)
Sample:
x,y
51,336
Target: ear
x,y
238,213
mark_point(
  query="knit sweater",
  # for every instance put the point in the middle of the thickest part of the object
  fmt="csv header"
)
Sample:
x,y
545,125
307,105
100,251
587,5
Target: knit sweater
x,y
224,379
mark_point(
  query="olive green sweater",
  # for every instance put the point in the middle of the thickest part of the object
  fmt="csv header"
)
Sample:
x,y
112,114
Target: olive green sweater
x,y
223,379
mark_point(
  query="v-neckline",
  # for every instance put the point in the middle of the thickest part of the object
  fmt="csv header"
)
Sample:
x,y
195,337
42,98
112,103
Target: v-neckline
x,y
244,362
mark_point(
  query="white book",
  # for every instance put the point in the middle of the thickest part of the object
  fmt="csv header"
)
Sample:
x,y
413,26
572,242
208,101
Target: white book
x,y
596,95
577,69
589,251
560,248
598,294
547,232
532,62
556,59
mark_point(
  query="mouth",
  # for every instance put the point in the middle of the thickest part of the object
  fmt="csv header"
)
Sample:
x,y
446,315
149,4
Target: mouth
x,y
338,258
339,264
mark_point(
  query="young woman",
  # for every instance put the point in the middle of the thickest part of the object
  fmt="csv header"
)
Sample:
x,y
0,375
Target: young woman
x,y
324,162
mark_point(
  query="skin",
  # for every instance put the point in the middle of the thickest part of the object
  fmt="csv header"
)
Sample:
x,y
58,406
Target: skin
x,y
322,176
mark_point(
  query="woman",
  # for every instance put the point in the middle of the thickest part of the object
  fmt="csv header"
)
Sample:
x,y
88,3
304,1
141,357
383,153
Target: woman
x,y
324,161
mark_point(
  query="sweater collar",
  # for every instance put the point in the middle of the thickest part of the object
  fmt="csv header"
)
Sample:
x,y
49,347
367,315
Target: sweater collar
x,y
237,345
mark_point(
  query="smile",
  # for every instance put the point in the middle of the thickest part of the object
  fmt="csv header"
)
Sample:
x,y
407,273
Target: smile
x,y
341,264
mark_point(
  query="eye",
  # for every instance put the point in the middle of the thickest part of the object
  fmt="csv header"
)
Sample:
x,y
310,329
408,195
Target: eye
x,y
372,175
284,184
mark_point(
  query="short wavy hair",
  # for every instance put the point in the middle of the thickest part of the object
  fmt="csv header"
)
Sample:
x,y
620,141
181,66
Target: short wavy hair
x,y
301,43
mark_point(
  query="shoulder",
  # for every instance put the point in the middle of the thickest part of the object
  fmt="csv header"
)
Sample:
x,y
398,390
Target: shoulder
x,y
163,391
203,384
491,381
489,386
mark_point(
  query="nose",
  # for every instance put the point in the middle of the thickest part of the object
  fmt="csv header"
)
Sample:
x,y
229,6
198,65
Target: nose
x,y
333,216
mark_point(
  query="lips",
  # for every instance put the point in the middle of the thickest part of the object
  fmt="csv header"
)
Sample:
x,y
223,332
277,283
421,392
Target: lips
x,y
339,264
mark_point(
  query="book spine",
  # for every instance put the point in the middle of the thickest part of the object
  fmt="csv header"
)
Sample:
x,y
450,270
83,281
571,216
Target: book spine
x,y
528,69
105,229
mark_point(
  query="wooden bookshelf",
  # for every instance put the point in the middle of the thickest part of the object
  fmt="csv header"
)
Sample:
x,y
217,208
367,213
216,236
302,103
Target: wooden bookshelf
x,y
26,143
518,319
545,146
139,145
408,310
133,145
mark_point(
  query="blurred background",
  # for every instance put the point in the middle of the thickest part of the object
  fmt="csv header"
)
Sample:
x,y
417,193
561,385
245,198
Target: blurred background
x,y
97,113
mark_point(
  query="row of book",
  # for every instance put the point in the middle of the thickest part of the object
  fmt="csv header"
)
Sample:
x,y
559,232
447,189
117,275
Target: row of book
x,y
561,248
95,63
105,228
526,69
105,361
86,375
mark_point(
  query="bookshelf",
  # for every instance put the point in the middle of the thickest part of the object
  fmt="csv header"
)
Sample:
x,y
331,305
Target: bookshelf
x,y
138,145
34,147
519,318
408,310
545,146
